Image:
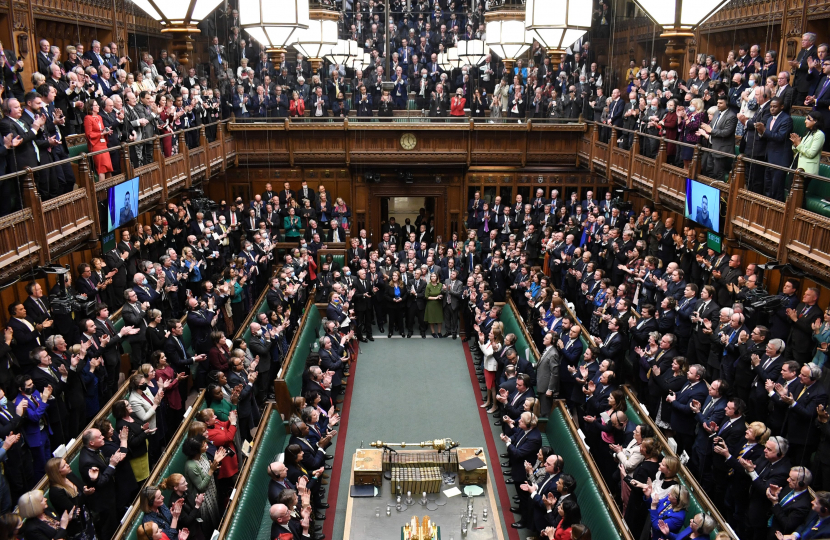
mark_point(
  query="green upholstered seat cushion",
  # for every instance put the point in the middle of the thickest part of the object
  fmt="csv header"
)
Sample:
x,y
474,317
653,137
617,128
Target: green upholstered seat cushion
x,y
594,512
799,125
818,192
251,520
514,326
308,333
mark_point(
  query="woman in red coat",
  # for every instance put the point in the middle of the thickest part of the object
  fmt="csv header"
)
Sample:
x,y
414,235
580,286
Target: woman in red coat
x,y
669,124
457,103
569,515
221,434
297,105
96,138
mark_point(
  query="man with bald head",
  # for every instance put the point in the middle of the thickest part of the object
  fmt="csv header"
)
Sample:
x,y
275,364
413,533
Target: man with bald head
x,y
281,516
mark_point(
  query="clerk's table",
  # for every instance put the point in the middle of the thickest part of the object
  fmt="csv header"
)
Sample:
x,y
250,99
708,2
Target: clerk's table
x,y
368,466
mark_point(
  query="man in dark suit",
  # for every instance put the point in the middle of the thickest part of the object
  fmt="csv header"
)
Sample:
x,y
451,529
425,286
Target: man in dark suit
x,y
728,440
815,525
614,343
538,492
820,100
799,427
27,335
801,66
772,469
363,305
683,420
787,383
32,151
791,504
706,309
786,92
416,303
522,446
776,133
512,404
711,410
98,473
764,368
439,103
134,314
755,146
806,313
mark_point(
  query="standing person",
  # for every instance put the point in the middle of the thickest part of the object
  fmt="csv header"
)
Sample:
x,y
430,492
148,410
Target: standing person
x,y
433,314
395,292
96,136
198,472
363,306
453,291
68,494
491,346
99,473
35,428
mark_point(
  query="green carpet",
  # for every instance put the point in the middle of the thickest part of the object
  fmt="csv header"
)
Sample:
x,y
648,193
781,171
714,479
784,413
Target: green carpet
x,y
409,390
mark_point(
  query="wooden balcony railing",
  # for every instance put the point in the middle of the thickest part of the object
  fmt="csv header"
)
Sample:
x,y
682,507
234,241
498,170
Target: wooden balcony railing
x,y
458,141
785,231
44,230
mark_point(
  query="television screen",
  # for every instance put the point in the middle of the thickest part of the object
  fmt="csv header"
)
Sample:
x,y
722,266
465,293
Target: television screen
x,y
703,204
122,204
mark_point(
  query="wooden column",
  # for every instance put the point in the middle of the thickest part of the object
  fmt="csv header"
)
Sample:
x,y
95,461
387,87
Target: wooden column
x,y
794,202
695,163
658,166
794,17
593,136
126,162
31,199
612,142
204,144
85,181
220,134
737,183
184,150
158,156
633,151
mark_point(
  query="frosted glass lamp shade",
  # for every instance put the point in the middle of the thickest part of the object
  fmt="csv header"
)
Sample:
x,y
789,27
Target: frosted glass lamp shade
x,y
273,23
472,52
318,39
508,38
178,13
557,24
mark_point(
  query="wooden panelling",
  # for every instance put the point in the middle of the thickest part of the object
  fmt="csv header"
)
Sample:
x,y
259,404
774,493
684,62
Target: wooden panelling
x,y
525,144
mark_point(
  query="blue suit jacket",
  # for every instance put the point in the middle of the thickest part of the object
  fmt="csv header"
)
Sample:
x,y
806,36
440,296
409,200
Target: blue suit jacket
x,y
523,448
32,433
779,146
809,530
715,414
682,417
673,518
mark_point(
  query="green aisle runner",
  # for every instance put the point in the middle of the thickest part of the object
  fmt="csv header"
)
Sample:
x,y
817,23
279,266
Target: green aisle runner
x,y
409,390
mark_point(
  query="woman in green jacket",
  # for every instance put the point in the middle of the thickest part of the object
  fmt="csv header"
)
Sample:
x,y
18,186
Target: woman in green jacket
x,y
291,224
808,148
199,474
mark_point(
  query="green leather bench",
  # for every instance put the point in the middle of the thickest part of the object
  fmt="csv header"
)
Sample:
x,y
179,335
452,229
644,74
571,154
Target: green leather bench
x,y
512,325
799,125
817,196
174,465
250,520
635,414
296,364
595,513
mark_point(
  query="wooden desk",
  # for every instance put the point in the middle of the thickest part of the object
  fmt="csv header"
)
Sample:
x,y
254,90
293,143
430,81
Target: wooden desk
x,y
361,523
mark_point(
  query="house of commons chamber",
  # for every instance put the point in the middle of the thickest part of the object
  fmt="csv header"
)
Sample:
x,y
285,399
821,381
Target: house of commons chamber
x,y
414,269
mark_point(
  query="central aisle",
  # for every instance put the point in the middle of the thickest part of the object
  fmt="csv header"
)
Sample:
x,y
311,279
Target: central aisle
x,y
409,390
